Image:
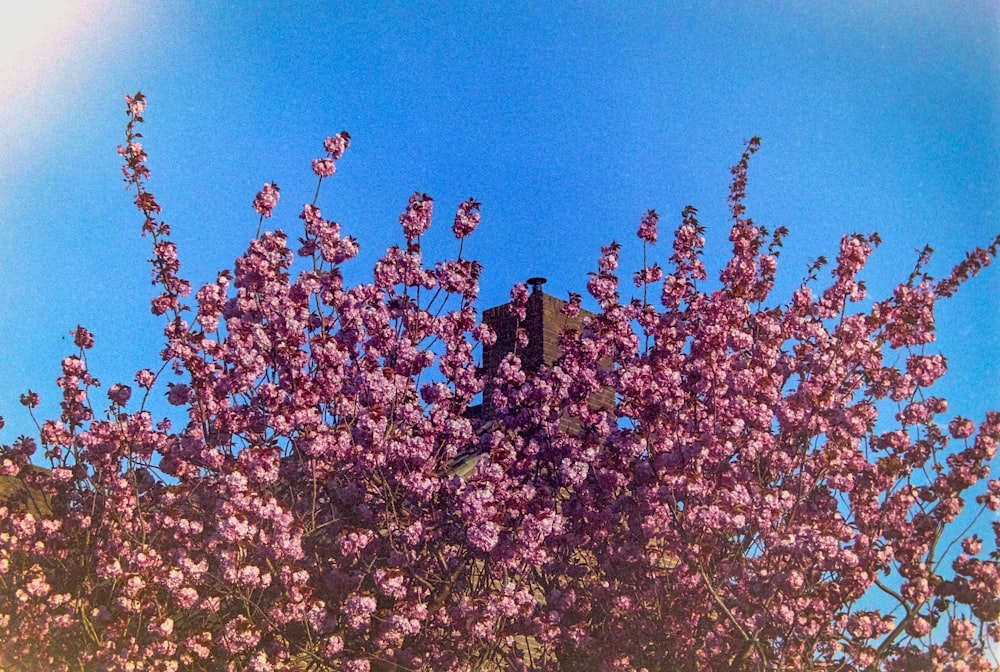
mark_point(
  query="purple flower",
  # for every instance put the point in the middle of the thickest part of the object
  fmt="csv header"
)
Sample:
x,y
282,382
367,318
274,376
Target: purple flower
x,y
358,609
484,535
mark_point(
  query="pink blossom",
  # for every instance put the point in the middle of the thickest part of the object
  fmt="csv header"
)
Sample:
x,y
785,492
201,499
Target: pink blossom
x,y
178,394
731,479
519,300
336,145
466,219
83,338
648,275
972,545
266,199
648,227
961,428
572,307
239,635
119,394
324,167
333,646
73,366
145,378
484,535
162,628
62,475
417,218
484,334
926,369
358,609
38,586
390,583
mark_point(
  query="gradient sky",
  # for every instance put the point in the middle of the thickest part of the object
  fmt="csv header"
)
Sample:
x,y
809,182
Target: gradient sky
x,y
568,123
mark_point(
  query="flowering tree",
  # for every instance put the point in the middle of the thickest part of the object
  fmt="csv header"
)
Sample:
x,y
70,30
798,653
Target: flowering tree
x,y
769,491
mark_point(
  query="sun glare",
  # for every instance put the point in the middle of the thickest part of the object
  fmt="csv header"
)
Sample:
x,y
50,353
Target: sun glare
x,y
48,49
32,36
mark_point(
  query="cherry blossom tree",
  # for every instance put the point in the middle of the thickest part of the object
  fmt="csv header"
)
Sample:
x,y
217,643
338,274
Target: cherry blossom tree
x,y
774,487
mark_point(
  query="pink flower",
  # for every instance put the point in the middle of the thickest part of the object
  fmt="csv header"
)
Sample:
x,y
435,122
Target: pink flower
x,y
266,199
972,545
572,307
603,287
83,338
134,585
484,334
136,105
178,394
648,275
991,500
324,167
358,609
390,583
62,475
484,535
145,378
239,635
119,394
459,277
608,261
648,227
466,219
926,369
961,428
333,646
162,628
519,300
38,586
335,145
186,597
417,218
73,366
919,627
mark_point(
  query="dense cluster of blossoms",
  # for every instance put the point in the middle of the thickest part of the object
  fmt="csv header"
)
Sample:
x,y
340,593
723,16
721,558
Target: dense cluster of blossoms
x,y
774,487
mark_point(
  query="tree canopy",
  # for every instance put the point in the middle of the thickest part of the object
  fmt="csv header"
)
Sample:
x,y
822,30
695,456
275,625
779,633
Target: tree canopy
x,y
774,485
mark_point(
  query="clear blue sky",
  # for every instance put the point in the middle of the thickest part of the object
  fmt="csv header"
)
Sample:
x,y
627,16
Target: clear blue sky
x,y
567,123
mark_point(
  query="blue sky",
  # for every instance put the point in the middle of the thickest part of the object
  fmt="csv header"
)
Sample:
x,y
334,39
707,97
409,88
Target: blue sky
x,y
567,122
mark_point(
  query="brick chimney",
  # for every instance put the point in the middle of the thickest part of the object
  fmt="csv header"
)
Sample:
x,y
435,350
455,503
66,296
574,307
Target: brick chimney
x,y
542,324
543,321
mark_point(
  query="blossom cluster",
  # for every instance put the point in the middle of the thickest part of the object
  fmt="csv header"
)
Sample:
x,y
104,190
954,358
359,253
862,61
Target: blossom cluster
x,y
763,469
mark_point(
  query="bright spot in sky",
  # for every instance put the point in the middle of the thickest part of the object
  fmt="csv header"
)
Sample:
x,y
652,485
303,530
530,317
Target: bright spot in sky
x,y
49,50
33,35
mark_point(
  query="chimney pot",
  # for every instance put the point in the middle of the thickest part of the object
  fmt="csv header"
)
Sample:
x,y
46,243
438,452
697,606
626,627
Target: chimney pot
x,y
536,284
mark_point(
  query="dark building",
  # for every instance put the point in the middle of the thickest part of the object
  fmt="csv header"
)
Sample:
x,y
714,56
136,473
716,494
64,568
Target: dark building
x,y
542,323
544,320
